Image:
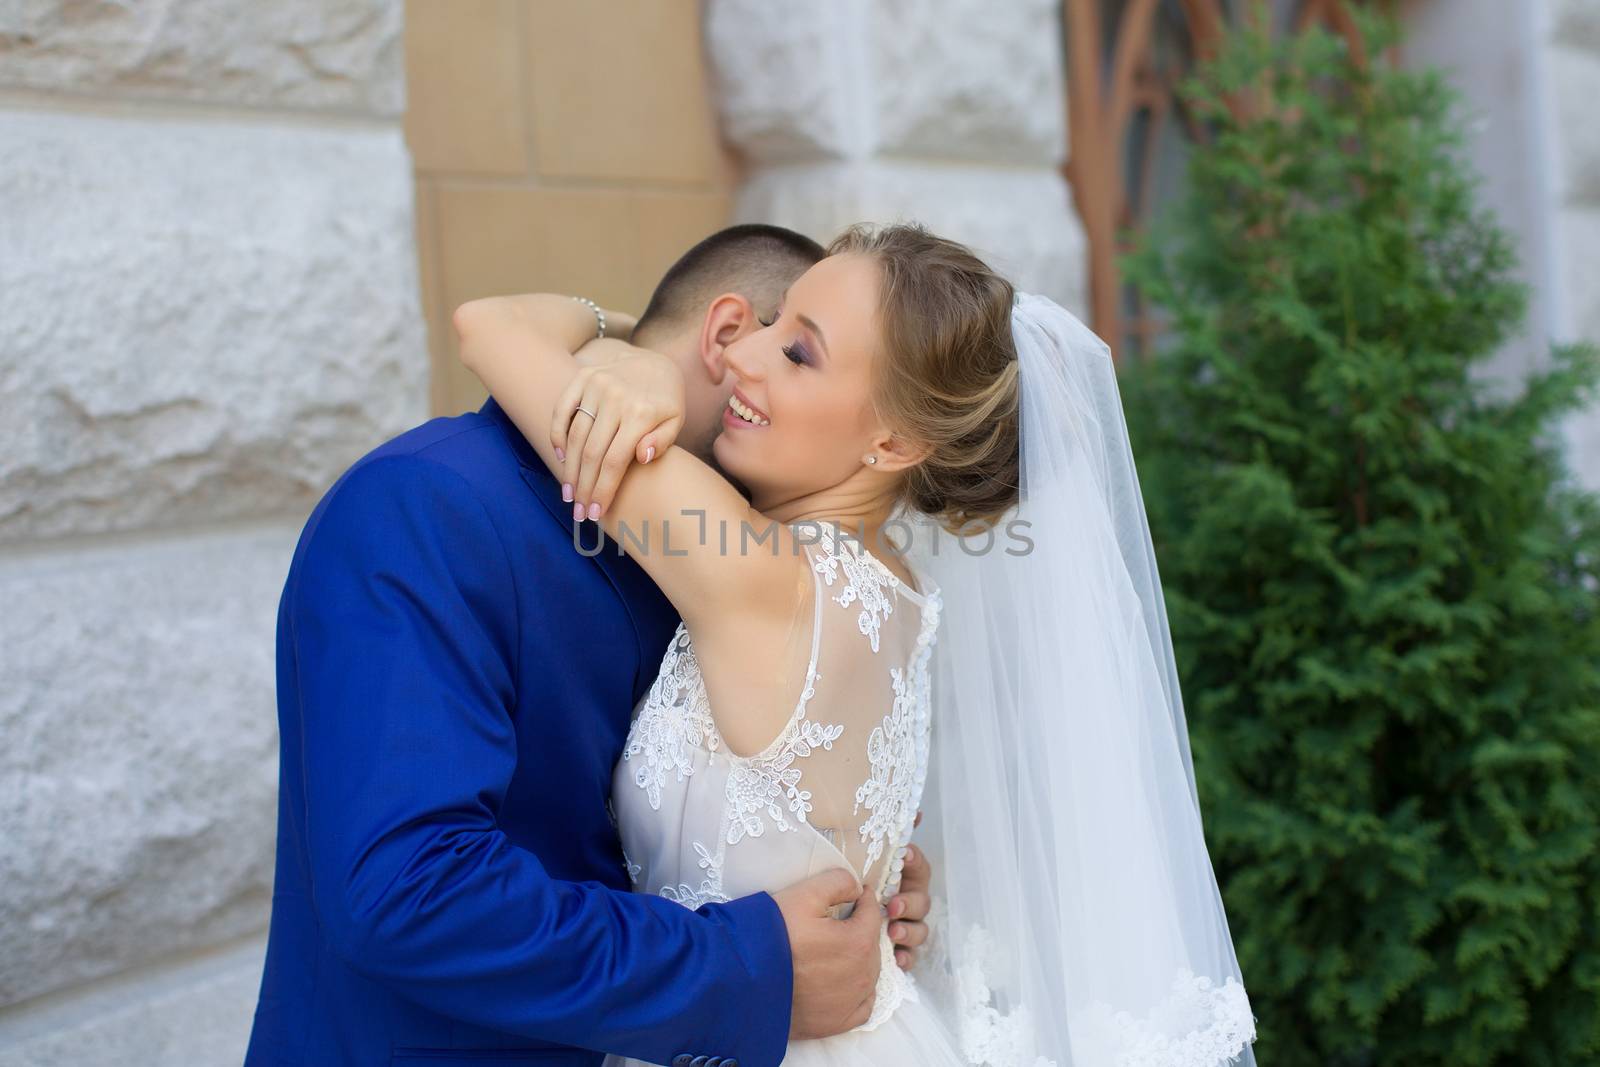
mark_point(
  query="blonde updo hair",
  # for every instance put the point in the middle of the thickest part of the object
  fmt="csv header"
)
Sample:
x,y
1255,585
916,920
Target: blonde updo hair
x,y
948,376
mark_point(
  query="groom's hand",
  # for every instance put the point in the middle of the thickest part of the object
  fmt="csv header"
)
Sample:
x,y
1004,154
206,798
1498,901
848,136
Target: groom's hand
x,y
835,960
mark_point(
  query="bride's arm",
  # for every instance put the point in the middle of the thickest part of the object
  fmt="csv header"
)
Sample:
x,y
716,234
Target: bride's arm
x,y
679,519
527,347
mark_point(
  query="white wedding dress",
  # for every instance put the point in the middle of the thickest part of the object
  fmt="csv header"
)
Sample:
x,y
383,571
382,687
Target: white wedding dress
x,y
1078,920
838,787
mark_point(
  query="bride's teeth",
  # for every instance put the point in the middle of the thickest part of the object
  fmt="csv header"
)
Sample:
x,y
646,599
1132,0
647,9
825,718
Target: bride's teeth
x,y
745,413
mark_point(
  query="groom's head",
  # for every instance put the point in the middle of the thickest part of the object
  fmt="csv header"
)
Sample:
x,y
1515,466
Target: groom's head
x,y
717,292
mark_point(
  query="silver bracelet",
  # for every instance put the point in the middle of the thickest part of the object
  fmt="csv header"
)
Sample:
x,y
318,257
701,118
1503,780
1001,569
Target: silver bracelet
x,y
599,315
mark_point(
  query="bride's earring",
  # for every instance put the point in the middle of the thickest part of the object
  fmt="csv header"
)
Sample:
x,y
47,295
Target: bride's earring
x,y
872,459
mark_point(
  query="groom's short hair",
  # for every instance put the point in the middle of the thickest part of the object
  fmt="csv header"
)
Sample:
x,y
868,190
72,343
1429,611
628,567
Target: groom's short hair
x,y
756,260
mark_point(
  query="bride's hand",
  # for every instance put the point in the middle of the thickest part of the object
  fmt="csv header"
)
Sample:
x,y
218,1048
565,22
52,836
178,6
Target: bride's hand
x,y
625,403
908,909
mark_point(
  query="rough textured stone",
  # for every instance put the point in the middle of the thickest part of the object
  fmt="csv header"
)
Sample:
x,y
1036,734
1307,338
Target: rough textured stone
x,y
953,79
907,109
787,88
327,54
196,1014
1576,23
1575,84
1020,221
941,79
139,774
204,320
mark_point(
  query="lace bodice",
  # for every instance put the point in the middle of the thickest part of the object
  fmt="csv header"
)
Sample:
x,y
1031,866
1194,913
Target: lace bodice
x,y
838,787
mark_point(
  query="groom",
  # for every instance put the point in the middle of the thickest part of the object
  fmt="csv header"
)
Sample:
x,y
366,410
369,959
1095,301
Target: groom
x,y
455,682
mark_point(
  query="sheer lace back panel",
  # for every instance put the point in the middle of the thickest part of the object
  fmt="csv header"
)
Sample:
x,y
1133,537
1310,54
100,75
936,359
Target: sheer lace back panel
x,y
838,787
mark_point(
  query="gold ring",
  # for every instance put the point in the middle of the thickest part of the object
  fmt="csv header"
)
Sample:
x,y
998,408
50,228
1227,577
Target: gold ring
x,y
587,412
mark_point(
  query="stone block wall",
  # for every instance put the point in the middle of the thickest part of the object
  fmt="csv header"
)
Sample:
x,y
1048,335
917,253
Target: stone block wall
x,y
946,112
208,308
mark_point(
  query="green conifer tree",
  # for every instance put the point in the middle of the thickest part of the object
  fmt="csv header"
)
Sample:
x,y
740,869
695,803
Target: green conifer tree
x,y
1383,587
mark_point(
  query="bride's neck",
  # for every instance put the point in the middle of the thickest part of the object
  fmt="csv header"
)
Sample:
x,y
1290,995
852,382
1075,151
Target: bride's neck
x,y
860,510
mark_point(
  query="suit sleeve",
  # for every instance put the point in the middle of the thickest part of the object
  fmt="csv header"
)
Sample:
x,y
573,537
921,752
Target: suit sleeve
x,y
404,623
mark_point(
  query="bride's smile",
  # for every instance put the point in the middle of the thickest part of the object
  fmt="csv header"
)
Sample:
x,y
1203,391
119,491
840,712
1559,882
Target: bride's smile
x,y
741,413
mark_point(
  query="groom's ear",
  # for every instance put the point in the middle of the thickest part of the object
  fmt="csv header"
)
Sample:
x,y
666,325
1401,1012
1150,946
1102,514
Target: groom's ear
x,y
728,318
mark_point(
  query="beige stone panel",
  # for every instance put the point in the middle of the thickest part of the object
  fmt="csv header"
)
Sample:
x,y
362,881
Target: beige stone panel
x,y
669,225
452,389
464,81
609,244
528,240
512,240
456,390
618,91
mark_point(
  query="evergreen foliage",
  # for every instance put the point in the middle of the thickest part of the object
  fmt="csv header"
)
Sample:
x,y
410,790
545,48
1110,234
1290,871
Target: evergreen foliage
x,y
1383,588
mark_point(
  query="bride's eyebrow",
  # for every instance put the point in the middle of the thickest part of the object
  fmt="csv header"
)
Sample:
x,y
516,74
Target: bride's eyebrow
x,y
805,320
810,324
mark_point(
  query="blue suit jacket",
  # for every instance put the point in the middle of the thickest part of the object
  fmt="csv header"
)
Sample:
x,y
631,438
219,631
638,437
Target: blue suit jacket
x,y
454,687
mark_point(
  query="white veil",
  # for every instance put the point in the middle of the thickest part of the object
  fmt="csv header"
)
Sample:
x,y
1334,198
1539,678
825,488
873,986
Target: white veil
x,y
1078,919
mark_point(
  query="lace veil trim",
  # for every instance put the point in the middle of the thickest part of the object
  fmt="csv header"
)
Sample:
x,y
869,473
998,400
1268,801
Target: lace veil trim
x,y
1198,1024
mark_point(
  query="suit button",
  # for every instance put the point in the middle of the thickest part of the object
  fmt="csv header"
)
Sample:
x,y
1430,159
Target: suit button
x,y
681,1060
699,1061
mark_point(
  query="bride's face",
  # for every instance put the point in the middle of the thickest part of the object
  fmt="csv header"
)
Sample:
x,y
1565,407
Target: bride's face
x,y
801,418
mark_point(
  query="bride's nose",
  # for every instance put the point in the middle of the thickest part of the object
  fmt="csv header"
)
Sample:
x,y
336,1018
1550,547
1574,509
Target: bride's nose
x,y
744,360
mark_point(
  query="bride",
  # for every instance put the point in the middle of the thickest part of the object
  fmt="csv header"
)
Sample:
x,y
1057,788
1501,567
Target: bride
x,y
940,593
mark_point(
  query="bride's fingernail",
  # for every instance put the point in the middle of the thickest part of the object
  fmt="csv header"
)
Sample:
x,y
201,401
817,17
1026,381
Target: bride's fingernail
x,y
561,454
594,511
577,513
649,453
896,906
566,491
